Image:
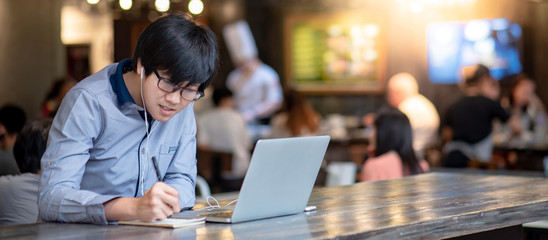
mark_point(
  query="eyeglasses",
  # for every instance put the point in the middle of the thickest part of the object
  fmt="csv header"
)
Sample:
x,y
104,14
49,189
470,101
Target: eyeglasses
x,y
167,86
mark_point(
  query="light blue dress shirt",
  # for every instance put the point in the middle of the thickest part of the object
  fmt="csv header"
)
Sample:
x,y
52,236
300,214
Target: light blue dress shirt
x,y
97,151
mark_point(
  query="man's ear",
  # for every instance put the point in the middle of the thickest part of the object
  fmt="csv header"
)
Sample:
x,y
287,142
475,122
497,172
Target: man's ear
x,y
139,67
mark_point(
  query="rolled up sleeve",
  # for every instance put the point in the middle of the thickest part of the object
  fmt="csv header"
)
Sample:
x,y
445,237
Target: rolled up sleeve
x,y
63,164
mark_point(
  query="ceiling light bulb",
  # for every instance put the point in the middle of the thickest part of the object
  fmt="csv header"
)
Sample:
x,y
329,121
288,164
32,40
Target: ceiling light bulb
x,y
195,7
162,5
126,4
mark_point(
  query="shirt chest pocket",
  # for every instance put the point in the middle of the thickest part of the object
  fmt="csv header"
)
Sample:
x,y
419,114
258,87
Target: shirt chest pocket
x,y
166,154
168,150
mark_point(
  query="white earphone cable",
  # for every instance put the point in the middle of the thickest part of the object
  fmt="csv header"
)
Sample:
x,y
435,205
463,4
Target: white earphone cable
x,y
214,206
146,126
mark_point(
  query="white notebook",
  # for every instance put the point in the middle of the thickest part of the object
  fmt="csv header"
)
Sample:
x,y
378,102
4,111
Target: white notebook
x,y
167,223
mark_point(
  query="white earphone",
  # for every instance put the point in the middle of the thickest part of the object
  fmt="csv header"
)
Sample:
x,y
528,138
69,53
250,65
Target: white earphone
x,y
146,125
143,98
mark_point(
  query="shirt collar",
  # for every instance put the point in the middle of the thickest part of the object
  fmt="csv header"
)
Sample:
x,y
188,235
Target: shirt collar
x,y
118,85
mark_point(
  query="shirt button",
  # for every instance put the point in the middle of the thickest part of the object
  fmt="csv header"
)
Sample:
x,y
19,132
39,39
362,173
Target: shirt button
x,y
143,151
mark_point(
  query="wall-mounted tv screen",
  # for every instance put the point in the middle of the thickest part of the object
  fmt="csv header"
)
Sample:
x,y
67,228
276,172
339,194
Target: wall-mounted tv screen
x,y
494,43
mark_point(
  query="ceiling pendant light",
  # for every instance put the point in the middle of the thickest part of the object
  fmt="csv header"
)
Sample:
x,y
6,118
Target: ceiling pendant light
x,y
195,7
126,4
161,5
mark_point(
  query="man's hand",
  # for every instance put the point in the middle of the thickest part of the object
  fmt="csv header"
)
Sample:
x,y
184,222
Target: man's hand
x,y
159,202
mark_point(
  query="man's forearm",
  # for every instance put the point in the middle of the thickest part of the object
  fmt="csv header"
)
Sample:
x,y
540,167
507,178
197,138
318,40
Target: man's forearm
x,y
120,209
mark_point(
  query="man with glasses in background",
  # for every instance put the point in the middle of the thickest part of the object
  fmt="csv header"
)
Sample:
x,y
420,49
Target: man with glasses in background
x,y
122,145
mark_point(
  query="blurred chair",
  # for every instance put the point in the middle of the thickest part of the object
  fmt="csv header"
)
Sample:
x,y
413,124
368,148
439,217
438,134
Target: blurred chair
x,y
341,173
212,164
202,187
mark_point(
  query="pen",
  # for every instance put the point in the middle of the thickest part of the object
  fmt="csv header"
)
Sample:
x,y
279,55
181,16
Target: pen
x,y
157,168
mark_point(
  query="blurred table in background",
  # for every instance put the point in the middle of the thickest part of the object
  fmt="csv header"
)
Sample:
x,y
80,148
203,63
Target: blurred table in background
x,y
524,151
521,157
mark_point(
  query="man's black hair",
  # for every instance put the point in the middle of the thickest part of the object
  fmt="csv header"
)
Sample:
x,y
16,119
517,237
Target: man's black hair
x,y
174,43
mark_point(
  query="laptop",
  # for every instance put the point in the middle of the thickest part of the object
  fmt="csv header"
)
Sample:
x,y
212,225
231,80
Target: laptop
x,y
279,180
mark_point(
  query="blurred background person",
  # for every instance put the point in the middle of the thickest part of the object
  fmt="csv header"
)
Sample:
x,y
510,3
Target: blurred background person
x,y
12,120
222,128
55,95
19,193
403,94
256,86
469,121
296,119
391,148
523,103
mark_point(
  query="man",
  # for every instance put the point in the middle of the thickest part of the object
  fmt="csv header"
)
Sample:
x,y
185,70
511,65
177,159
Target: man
x,y
114,128
224,129
403,93
469,121
256,86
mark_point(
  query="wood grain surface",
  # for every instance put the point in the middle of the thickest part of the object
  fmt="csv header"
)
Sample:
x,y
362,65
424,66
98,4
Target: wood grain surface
x,y
427,206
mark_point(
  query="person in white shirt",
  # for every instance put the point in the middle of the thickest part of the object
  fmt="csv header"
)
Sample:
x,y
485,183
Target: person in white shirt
x,y
403,93
223,128
256,86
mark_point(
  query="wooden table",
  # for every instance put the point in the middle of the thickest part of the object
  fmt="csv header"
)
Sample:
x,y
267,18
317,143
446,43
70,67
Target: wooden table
x,y
428,206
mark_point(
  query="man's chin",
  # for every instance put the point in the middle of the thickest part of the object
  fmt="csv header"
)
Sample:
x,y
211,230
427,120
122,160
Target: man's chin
x,y
162,118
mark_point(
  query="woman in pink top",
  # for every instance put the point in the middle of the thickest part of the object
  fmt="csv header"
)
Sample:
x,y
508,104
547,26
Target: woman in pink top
x,y
392,145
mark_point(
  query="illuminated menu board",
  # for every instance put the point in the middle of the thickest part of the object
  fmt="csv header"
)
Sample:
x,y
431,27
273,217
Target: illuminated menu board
x,y
330,53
